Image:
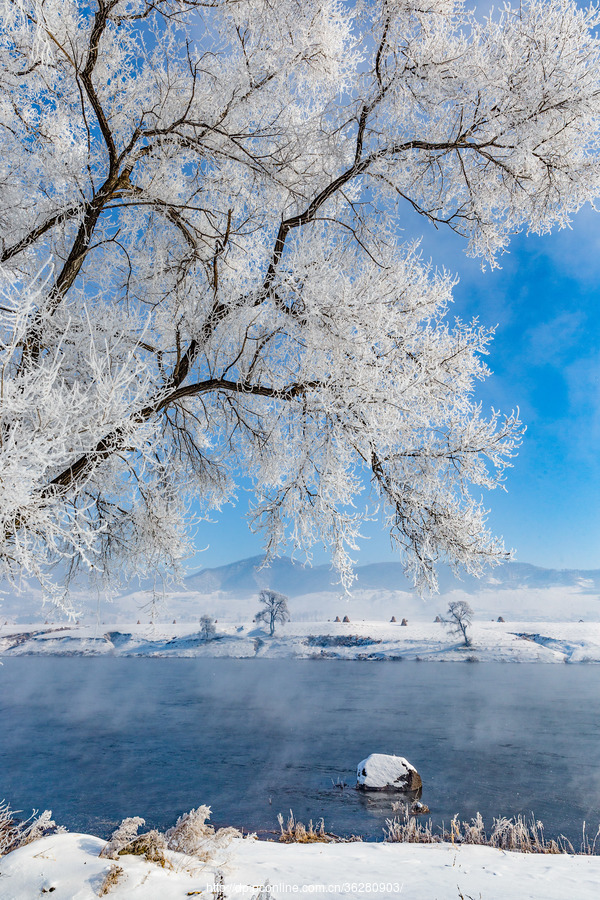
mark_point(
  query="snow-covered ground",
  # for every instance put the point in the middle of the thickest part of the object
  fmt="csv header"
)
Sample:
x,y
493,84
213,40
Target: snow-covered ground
x,y
548,642
68,867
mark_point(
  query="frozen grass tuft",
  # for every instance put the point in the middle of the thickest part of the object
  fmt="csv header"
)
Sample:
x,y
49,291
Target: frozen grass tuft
x,y
111,879
191,835
126,841
296,833
293,832
190,831
516,834
406,829
122,837
151,846
15,833
589,848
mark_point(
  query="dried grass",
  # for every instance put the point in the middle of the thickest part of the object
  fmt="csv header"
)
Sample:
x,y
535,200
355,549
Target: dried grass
x,y
126,841
587,848
296,833
191,835
111,879
515,834
15,833
122,836
151,846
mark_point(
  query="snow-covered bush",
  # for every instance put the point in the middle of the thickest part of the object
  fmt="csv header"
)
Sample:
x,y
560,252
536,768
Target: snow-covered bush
x,y
190,831
122,837
15,833
190,835
126,841
151,846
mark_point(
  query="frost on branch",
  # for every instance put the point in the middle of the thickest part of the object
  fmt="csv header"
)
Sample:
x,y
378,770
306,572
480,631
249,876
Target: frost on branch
x,y
203,280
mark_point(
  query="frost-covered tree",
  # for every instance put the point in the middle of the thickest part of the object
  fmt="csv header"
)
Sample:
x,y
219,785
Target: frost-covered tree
x,y
274,611
207,628
459,619
203,277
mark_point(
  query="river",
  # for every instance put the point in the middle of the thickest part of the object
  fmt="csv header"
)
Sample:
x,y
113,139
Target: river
x,y
96,740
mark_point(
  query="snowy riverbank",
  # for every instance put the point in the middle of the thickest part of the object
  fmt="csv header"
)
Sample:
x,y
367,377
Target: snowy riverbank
x,y
68,865
522,642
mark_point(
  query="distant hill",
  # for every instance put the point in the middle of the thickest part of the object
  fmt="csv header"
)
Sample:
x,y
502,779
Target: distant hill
x,y
247,576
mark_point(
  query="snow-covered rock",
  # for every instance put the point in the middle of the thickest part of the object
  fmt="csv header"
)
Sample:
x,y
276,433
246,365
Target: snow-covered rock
x,y
380,772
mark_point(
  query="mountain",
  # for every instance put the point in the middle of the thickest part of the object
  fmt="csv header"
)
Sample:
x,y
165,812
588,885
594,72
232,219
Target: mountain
x,y
246,577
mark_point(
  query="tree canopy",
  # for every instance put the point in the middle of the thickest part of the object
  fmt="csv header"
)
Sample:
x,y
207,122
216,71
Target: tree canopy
x,y
203,273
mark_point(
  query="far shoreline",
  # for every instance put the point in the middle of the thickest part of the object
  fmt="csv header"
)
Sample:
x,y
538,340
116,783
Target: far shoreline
x,y
546,642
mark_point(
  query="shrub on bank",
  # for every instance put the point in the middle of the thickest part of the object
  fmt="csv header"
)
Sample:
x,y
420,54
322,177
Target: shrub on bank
x,y
15,833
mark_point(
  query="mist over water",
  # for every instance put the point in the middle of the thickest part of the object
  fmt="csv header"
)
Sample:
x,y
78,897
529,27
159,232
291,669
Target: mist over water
x,y
96,740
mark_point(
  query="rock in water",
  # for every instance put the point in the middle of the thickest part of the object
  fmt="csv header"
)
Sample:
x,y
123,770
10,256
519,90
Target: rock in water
x,y
419,809
379,772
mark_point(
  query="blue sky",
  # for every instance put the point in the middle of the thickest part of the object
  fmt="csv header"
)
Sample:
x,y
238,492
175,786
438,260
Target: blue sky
x,y
546,360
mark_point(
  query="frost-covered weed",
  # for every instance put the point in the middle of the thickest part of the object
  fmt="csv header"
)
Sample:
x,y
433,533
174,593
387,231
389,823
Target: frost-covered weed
x,y
506,834
190,835
264,892
126,841
587,848
190,831
297,833
15,834
122,837
406,829
111,879
151,846
516,834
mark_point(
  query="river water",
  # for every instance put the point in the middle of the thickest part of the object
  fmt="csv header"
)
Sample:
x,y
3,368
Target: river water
x,y
96,740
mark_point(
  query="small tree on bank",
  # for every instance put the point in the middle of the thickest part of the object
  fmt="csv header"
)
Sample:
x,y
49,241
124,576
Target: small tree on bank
x,y
275,609
207,628
460,616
